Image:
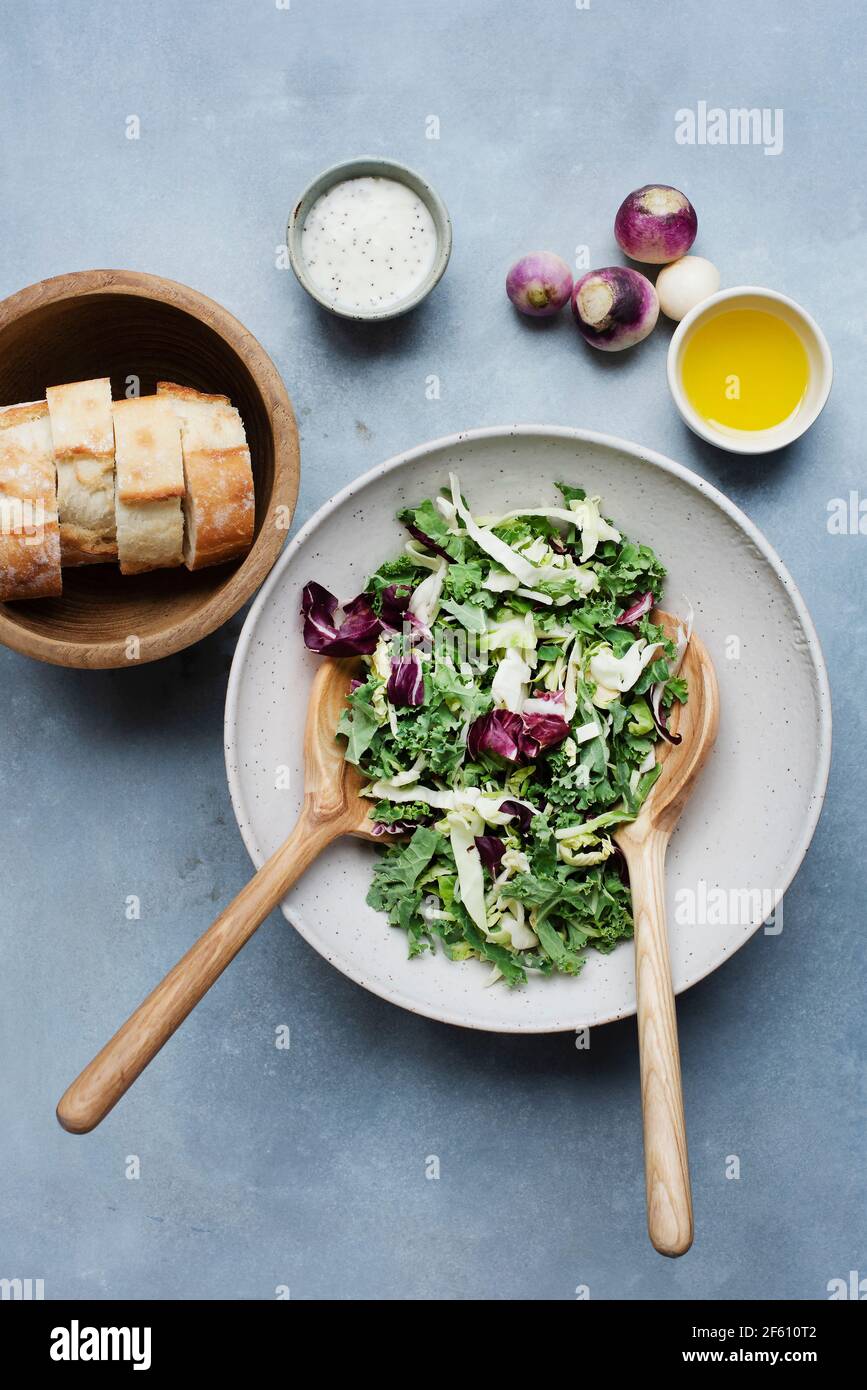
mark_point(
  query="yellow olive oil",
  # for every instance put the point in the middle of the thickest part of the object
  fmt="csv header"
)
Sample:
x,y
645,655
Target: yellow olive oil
x,y
745,369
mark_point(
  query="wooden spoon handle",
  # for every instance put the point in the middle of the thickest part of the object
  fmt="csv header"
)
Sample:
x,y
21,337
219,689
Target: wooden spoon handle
x,y
114,1069
666,1164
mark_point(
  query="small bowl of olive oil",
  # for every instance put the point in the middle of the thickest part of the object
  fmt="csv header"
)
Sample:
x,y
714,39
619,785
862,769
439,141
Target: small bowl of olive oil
x,y
749,370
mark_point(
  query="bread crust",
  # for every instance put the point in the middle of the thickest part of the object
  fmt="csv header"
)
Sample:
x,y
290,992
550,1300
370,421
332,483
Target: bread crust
x,y
29,530
83,433
189,393
219,502
220,506
81,420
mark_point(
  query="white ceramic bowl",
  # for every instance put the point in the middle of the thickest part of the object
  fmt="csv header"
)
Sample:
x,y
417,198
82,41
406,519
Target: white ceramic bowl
x,y
751,817
380,169
818,355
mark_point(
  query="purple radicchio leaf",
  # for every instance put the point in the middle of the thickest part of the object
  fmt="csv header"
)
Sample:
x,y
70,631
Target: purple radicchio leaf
x,y
637,609
617,860
518,737
406,682
660,716
499,732
392,605
357,635
491,850
521,813
395,613
426,541
544,729
395,827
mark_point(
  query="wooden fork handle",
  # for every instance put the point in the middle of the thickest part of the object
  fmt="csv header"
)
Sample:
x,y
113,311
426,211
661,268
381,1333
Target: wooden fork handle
x,y
666,1164
114,1069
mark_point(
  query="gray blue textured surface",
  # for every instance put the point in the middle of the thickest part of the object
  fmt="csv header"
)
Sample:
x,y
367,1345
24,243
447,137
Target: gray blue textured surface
x,y
306,1168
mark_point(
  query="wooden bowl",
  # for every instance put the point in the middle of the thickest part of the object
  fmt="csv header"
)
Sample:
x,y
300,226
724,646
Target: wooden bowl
x,y
124,324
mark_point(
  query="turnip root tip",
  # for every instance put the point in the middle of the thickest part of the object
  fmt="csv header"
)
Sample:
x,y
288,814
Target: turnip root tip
x,y
656,224
614,308
539,284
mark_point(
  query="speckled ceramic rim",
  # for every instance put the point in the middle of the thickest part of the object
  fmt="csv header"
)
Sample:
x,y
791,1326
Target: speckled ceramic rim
x,y
370,168
507,432
818,352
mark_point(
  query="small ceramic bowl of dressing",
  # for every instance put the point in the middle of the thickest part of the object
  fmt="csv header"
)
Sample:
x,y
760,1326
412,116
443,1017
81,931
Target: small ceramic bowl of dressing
x,y
369,239
749,370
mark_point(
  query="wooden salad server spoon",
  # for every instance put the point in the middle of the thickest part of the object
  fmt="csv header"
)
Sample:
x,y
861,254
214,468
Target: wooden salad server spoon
x,y
332,807
644,842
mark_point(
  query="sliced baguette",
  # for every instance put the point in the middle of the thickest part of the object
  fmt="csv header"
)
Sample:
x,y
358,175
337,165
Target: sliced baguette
x,y
150,485
29,530
219,502
83,434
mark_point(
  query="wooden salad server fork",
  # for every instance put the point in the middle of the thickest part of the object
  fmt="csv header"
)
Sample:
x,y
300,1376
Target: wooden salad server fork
x,y
644,842
332,807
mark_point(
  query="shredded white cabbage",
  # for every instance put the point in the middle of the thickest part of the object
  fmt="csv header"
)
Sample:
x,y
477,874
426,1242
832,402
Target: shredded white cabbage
x,y
527,573
425,599
613,675
421,557
412,774
504,555
583,515
463,829
585,732
510,632
509,686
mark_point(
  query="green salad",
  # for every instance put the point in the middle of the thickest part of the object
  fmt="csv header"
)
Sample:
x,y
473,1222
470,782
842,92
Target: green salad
x,y
512,692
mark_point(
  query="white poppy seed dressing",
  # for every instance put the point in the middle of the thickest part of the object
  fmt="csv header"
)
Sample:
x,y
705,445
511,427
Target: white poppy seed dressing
x,y
368,244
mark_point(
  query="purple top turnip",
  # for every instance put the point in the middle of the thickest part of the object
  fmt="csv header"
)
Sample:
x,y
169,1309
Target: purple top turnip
x,y
655,224
614,307
539,284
